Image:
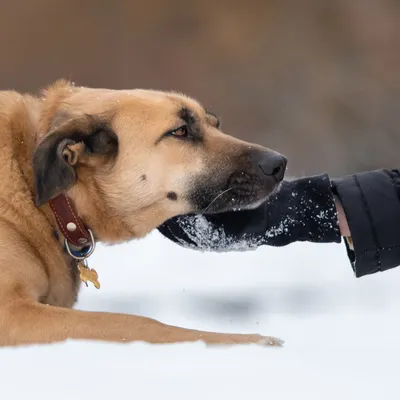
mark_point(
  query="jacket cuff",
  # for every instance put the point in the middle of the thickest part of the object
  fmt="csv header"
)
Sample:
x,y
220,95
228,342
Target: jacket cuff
x,y
371,204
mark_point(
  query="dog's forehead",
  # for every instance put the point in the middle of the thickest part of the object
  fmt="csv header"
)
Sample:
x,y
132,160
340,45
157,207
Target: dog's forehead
x,y
157,103
138,106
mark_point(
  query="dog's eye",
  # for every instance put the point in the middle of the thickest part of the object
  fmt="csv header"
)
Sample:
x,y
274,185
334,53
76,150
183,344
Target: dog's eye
x,y
181,132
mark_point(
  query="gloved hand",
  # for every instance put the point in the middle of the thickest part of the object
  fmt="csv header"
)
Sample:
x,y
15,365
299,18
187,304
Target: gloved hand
x,y
302,210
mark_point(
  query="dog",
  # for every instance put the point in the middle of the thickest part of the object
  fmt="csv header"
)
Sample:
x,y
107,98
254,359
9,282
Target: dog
x,y
81,165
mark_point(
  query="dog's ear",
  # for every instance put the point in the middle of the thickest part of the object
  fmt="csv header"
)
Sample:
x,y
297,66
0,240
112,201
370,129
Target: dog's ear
x,y
76,141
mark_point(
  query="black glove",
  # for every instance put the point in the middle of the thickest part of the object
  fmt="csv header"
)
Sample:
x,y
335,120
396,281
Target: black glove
x,y
302,210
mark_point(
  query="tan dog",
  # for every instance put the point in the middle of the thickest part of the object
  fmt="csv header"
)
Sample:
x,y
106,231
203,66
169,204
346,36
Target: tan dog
x,y
80,165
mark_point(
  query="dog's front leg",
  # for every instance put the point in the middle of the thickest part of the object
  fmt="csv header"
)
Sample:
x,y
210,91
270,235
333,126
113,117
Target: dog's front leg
x,y
23,323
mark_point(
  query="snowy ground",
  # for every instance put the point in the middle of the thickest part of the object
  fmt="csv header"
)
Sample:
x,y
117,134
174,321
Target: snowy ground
x,y
342,334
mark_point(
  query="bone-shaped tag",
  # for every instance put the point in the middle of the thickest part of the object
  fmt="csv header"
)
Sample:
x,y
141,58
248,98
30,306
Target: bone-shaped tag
x,y
88,275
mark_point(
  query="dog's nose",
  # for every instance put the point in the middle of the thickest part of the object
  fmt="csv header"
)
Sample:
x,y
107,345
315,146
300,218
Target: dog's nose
x,y
273,165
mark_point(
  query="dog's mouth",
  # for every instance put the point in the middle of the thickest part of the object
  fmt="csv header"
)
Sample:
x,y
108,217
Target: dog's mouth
x,y
256,175
241,192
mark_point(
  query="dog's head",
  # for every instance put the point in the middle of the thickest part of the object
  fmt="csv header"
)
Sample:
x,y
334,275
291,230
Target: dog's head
x,y
131,159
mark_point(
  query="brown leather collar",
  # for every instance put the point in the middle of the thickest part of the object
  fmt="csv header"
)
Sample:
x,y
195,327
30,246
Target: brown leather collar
x,y
76,235
71,226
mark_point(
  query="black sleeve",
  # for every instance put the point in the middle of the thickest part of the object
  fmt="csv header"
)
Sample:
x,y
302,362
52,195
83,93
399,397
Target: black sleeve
x,y
371,202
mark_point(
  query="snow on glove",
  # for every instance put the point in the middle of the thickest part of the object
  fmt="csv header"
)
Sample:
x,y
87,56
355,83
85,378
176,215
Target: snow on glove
x,y
303,210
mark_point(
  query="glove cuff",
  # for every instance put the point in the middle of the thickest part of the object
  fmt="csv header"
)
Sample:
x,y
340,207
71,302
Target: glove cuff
x,y
311,215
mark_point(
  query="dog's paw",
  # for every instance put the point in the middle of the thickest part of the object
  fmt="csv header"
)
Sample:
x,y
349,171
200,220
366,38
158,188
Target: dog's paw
x,y
236,339
270,341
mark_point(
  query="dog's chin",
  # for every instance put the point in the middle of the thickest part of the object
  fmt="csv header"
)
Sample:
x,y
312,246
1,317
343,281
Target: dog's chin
x,y
220,202
257,203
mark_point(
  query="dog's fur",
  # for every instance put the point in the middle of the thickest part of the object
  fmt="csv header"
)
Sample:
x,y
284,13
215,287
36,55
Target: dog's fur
x,y
121,159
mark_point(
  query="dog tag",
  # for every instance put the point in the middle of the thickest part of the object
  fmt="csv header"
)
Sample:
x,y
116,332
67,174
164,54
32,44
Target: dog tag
x,y
88,275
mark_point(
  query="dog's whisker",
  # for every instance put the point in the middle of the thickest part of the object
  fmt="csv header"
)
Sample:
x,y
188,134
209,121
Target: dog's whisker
x,y
216,198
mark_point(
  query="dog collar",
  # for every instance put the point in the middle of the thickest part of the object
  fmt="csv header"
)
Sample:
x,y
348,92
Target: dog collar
x,y
70,224
79,242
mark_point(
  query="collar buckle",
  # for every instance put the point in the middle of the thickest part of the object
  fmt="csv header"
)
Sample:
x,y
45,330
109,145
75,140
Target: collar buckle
x,y
85,252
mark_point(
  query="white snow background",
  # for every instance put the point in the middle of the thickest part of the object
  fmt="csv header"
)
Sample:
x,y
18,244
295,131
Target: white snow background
x,y
342,334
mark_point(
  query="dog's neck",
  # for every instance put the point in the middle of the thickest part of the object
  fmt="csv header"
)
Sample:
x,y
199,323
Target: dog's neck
x,y
29,111
40,112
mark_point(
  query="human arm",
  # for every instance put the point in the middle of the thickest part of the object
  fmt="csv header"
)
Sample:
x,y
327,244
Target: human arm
x,y
364,208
